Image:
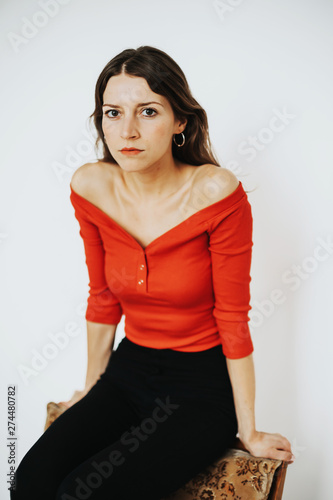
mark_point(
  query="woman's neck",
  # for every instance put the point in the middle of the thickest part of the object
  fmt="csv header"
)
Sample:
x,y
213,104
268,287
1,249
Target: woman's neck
x,y
156,182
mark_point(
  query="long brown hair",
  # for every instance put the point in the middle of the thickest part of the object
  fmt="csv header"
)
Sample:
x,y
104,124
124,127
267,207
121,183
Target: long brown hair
x,y
166,78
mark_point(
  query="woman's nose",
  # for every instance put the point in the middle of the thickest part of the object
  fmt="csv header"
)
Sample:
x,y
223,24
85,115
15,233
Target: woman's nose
x,y
129,128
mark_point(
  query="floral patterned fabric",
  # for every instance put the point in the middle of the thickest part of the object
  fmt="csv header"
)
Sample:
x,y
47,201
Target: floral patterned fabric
x,y
236,475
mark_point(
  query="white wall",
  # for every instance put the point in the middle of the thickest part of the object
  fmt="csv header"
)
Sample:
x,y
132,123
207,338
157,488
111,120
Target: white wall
x,y
246,61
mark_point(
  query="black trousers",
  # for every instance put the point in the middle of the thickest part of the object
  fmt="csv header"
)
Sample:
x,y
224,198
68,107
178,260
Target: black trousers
x,y
154,419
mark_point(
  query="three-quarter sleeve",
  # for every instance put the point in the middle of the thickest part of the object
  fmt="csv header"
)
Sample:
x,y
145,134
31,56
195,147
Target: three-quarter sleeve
x,y
230,244
102,304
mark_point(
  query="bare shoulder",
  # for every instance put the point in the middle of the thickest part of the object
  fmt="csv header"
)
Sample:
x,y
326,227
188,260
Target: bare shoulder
x,y
88,178
216,182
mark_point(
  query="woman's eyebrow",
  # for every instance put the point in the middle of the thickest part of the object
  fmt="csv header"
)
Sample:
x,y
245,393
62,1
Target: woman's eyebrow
x,y
138,105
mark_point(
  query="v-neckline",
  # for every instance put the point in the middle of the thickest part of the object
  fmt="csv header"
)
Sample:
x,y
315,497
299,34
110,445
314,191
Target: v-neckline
x,y
212,205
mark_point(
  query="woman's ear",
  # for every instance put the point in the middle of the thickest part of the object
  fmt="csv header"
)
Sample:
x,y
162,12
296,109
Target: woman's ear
x,y
181,125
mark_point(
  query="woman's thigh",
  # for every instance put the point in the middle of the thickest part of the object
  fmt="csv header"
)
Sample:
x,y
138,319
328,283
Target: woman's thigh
x,y
187,421
81,431
153,420
156,457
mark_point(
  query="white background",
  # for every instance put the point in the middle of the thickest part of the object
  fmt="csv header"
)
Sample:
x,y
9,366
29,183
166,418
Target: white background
x,y
244,63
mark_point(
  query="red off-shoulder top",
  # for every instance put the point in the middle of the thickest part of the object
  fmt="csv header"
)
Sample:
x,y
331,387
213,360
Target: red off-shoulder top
x,y
188,290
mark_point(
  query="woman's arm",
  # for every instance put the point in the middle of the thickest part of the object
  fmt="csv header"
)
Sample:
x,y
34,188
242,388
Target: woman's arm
x,y
100,341
103,311
259,444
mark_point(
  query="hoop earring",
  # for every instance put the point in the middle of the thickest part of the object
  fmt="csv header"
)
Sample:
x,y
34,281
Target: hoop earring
x,y
182,144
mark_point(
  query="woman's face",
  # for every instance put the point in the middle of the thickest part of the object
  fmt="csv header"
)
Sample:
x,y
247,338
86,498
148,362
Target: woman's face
x,y
135,117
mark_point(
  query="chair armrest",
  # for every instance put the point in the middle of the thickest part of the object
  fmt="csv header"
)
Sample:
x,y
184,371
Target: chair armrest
x,y
279,476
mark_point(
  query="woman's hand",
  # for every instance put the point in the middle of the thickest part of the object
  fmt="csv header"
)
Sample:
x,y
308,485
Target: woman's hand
x,y
267,445
75,398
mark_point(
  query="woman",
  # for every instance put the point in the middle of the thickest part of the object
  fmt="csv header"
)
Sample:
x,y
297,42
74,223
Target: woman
x,y
168,239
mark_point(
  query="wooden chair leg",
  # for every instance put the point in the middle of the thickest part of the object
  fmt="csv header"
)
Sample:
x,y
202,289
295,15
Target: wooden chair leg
x,y
278,482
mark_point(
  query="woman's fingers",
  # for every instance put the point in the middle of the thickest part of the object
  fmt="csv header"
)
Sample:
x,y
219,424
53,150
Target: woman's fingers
x,y
284,443
271,445
65,403
277,454
278,441
74,399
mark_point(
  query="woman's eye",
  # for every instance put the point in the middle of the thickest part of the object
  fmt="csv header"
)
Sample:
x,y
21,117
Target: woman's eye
x,y
150,109
116,111
111,111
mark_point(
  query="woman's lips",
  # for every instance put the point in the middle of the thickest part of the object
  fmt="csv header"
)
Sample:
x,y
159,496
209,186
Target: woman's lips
x,y
131,152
